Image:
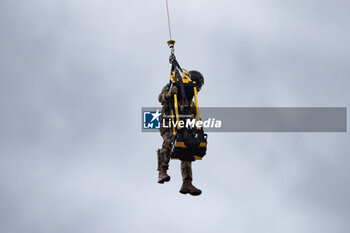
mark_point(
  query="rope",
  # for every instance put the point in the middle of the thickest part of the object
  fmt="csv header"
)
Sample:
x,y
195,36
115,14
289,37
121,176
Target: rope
x,y
167,9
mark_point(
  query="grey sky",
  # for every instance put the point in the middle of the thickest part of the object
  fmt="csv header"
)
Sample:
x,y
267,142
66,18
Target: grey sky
x,y
75,74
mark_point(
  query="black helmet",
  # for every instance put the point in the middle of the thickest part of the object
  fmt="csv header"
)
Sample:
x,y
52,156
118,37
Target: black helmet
x,y
198,78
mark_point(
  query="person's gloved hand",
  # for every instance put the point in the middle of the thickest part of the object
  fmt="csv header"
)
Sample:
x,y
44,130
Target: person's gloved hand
x,y
171,92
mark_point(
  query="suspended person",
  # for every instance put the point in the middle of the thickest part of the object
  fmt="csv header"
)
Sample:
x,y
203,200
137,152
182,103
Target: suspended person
x,y
166,99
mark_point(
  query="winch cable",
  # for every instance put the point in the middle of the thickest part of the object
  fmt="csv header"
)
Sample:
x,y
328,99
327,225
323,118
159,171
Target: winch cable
x,y
172,59
167,10
170,42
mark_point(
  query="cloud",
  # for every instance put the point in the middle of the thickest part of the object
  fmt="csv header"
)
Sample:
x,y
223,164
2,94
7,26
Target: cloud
x,y
75,74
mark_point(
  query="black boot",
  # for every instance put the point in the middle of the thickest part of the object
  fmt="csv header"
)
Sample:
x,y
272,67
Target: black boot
x,y
163,165
187,187
163,175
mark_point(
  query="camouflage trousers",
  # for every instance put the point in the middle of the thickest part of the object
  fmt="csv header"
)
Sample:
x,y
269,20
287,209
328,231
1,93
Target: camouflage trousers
x,y
186,167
